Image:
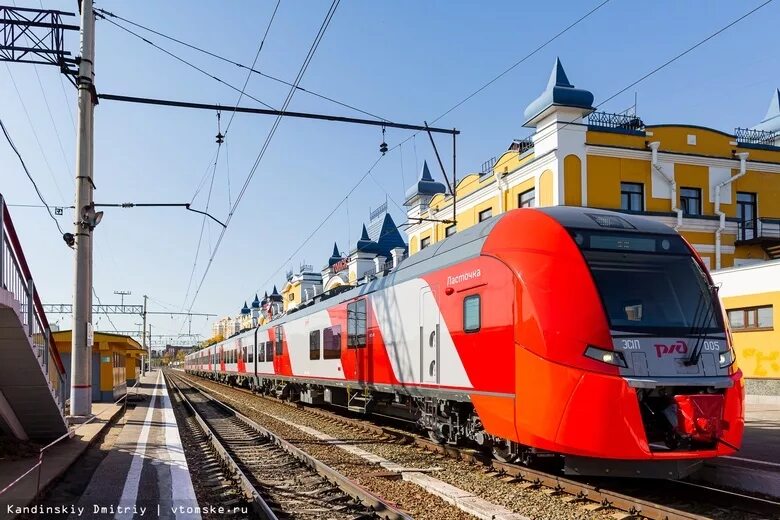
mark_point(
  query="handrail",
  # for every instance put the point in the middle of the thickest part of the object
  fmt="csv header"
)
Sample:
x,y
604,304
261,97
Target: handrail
x,y
18,254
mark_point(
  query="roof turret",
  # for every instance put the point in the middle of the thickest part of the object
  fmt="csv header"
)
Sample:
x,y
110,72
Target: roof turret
x,y
771,122
335,257
559,92
425,185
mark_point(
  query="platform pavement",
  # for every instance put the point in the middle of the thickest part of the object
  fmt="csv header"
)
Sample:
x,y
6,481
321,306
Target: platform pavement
x,y
56,460
146,474
756,466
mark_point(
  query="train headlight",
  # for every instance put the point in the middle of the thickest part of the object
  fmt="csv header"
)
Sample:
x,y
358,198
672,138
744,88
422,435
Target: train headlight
x,y
611,357
726,359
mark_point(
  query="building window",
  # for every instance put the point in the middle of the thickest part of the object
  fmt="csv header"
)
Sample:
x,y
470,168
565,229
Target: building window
x,y
291,296
314,345
471,313
279,333
485,214
425,242
356,324
527,199
331,342
450,230
632,196
690,201
747,212
752,318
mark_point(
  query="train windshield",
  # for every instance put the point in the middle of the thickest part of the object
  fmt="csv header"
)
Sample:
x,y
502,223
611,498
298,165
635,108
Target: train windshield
x,y
650,284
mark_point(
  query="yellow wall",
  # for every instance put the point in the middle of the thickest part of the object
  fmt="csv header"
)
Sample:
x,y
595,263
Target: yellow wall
x,y
758,352
545,195
572,187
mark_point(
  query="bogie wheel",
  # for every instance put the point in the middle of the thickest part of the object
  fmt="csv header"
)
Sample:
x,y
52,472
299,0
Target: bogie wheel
x,y
436,437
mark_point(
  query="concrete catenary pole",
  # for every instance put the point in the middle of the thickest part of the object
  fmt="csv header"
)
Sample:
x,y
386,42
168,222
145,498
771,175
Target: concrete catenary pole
x,y
143,339
81,347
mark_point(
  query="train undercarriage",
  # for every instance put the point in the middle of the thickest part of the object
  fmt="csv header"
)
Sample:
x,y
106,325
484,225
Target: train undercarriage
x,y
454,422
445,421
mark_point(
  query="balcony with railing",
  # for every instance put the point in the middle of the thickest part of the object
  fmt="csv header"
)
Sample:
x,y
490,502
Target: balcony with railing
x,y
621,123
761,138
32,376
763,231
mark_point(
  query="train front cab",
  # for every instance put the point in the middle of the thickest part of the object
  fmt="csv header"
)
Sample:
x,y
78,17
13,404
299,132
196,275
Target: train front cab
x,y
623,361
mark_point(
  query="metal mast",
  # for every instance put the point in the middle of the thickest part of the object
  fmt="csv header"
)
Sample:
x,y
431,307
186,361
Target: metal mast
x,y
87,219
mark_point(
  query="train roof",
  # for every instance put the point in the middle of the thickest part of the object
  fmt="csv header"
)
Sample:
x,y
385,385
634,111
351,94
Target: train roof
x,y
468,244
599,219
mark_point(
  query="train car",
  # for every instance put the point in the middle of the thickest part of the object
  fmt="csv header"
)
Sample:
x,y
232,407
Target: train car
x,y
587,335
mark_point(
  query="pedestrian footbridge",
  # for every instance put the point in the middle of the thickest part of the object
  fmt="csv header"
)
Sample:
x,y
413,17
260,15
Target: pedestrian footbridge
x,y
32,377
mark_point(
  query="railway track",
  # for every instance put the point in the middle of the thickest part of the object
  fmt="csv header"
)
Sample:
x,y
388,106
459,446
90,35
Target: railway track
x,y
657,499
277,479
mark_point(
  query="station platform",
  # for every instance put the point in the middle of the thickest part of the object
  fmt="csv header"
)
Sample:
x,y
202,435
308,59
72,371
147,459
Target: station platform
x,y
146,474
756,466
21,478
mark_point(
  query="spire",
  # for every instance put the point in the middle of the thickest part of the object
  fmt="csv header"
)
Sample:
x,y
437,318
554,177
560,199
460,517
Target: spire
x,y
256,302
771,122
558,76
425,184
245,309
335,257
274,292
365,244
559,92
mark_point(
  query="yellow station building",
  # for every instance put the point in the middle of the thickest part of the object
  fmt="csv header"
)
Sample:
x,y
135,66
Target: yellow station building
x,y
751,296
720,190
116,362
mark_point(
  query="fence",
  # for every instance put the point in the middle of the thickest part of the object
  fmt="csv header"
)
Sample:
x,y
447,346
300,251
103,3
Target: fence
x,y
16,278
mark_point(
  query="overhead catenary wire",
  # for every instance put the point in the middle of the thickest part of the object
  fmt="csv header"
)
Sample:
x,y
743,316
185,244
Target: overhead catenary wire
x,y
658,68
44,155
240,65
220,140
622,90
322,223
186,62
29,176
312,50
254,62
54,126
533,52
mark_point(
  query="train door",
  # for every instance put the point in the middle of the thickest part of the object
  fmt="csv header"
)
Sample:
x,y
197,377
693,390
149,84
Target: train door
x,y
357,339
429,337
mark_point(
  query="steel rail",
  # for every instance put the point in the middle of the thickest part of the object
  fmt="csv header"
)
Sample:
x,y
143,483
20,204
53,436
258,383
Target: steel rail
x,y
535,478
353,489
258,503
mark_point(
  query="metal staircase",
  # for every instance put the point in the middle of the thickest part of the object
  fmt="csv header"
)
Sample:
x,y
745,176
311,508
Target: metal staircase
x,y
32,377
359,401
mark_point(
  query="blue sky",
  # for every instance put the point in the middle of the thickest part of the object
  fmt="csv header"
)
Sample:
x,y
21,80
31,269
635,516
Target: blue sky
x,y
407,61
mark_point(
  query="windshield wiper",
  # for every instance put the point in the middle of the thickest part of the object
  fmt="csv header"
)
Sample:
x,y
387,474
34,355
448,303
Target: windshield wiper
x,y
701,330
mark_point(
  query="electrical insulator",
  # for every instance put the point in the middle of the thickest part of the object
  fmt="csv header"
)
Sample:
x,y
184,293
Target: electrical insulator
x,y
220,138
383,148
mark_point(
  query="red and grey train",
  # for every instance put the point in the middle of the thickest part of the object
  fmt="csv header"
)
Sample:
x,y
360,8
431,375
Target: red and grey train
x,y
590,335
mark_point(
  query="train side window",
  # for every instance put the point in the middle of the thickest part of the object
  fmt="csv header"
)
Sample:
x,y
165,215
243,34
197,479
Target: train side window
x,y
269,351
471,313
314,345
279,339
260,352
331,342
244,359
356,324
